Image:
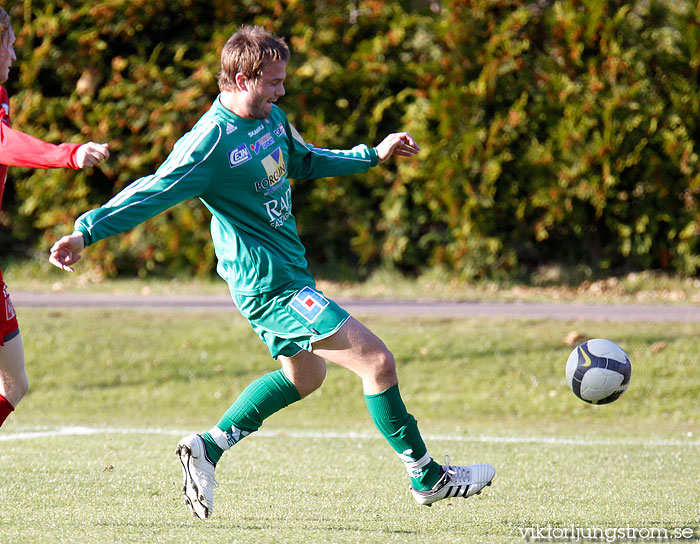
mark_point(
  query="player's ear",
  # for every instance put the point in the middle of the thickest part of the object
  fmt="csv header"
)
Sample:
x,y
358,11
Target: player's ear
x,y
242,82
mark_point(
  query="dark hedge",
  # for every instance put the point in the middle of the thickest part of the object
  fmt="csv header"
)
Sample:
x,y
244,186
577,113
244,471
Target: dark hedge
x,y
551,132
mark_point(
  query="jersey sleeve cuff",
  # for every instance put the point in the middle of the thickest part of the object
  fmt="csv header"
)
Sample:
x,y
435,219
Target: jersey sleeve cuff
x,y
87,239
374,156
73,159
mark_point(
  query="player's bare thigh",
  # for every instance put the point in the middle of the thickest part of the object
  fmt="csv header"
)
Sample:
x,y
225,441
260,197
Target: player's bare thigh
x,y
358,349
13,376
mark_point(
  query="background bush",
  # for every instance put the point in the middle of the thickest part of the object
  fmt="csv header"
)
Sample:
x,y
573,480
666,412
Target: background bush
x,y
551,132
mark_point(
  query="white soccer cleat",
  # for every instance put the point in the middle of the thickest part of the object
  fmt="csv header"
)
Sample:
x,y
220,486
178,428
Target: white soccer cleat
x,y
456,481
197,476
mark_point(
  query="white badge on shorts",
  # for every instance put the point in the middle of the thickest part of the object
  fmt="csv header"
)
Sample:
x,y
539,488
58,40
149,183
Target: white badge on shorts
x,y
309,304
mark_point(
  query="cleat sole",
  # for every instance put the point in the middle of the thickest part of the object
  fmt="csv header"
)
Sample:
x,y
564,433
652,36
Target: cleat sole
x,y
185,453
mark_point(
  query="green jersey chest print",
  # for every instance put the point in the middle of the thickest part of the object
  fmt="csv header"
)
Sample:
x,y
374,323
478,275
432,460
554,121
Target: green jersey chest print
x,y
240,169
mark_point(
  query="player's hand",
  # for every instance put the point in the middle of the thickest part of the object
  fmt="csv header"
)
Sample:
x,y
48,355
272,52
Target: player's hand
x,y
91,153
399,143
66,251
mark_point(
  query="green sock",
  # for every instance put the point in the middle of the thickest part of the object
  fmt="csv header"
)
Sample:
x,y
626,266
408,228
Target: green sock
x,y
262,398
400,429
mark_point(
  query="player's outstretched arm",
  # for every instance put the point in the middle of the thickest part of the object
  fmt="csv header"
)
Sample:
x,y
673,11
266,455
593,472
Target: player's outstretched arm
x,y
90,154
20,149
398,143
66,251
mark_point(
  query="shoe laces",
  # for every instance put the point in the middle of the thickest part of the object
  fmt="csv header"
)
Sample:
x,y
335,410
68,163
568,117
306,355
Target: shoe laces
x,y
459,474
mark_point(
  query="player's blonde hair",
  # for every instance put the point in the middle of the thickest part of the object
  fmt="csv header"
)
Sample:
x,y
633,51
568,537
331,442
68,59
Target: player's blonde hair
x,y
248,51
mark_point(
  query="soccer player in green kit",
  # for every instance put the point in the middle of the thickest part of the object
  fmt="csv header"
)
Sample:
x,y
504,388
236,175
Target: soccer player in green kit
x,y
237,160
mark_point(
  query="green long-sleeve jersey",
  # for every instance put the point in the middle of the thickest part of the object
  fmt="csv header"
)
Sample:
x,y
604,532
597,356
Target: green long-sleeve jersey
x,y
240,169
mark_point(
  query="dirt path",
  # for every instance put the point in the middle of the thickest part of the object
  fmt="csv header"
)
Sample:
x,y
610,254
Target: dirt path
x,y
540,310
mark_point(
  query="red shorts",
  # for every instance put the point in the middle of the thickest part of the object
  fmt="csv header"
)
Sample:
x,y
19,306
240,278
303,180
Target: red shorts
x,y
9,328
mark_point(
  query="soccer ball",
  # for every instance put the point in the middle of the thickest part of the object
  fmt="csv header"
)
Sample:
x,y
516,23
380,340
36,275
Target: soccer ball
x,y
598,371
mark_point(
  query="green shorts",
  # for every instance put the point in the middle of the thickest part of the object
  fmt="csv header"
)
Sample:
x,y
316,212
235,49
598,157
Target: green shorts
x,y
291,319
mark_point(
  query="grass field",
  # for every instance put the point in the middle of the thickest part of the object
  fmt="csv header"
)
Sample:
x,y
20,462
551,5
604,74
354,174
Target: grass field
x,y
88,456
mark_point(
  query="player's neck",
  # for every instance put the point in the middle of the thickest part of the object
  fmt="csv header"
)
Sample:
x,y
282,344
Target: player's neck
x,y
234,102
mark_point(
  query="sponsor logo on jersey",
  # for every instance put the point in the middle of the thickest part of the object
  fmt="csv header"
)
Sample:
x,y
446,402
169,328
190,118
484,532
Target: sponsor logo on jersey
x,y
309,304
276,168
255,131
238,156
263,143
230,128
279,209
279,131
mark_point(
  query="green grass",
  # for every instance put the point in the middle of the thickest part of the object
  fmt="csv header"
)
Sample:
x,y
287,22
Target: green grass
x,y
482,390
278,489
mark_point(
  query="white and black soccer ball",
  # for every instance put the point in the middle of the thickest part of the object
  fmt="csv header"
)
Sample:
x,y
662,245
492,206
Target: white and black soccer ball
x,y
598,371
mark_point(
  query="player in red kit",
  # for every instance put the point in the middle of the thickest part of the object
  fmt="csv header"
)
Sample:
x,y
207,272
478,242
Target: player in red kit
x,y
20,149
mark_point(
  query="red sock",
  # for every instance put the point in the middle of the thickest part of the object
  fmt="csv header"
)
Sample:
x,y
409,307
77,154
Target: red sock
x,y
5,409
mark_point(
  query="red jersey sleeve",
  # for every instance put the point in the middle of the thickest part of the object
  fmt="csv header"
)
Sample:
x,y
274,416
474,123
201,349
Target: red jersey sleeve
x,y
20,149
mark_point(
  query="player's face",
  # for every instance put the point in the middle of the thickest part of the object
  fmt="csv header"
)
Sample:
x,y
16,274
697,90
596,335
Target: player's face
x,y
7,55
265,90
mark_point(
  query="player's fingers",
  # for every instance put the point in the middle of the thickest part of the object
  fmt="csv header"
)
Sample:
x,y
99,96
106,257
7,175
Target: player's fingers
x,y
101,151
58,248
62,255
54,261
409,141
93,153
408,150
405,148
409,145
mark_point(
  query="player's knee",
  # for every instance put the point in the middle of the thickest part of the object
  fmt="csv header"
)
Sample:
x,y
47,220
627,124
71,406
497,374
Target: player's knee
x,y
385,366
316,380
22,387
16,389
